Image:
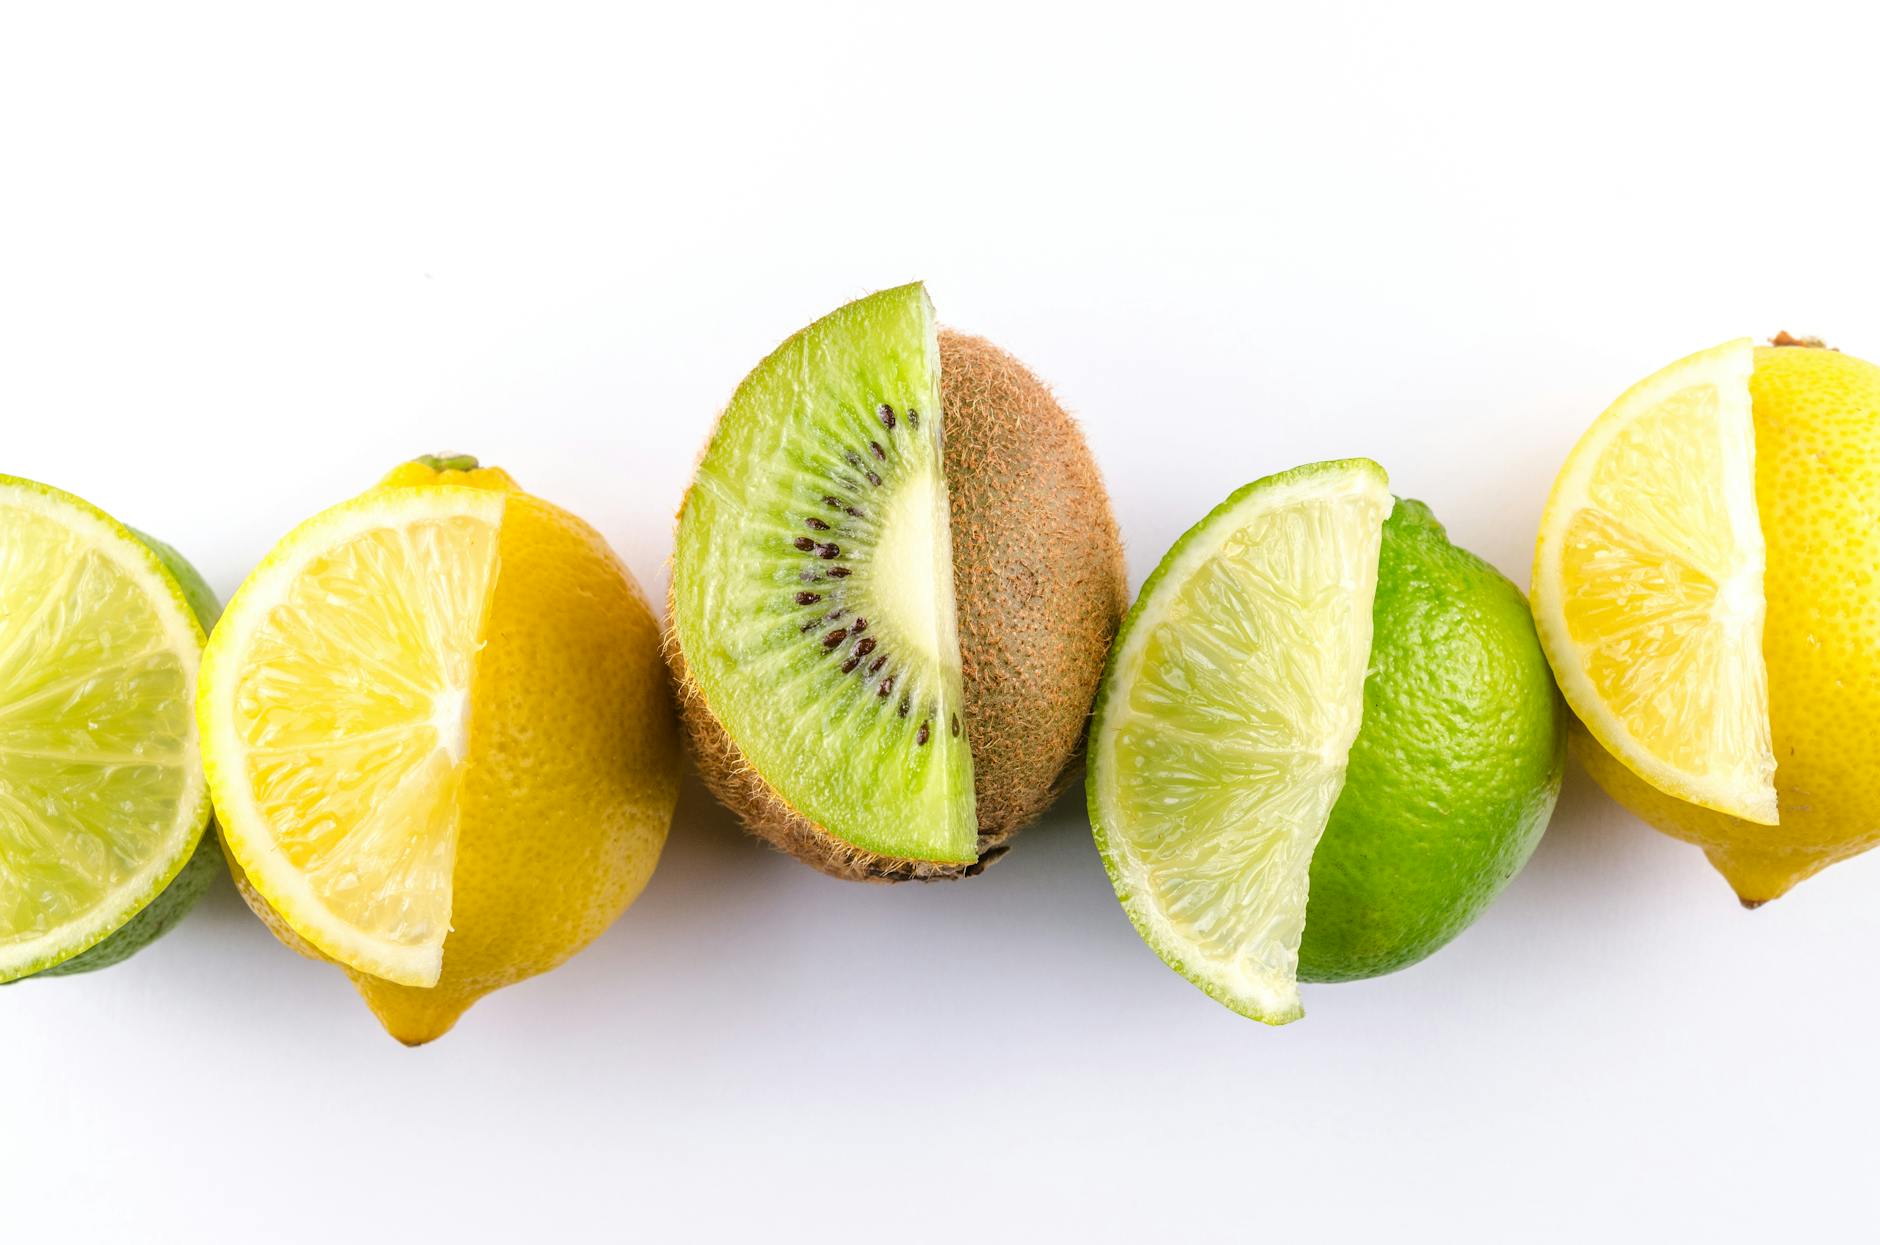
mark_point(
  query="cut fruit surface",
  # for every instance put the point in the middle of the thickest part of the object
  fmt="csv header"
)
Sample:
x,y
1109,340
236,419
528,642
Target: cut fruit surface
x,y
1648,586
102,798
1221,734
813,584
335,704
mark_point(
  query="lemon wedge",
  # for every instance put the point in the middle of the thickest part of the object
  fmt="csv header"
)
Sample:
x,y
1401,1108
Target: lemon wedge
x,y
334,708
1648,586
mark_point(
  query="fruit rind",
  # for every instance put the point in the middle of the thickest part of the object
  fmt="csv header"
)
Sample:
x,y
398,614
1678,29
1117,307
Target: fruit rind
x,y
245,832
1729,367
1360,478
1038,575
154,919
186,637
1456,768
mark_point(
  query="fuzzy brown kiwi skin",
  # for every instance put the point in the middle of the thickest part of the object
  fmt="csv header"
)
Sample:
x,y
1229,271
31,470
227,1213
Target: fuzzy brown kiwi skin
x,y
1038,575
1040,587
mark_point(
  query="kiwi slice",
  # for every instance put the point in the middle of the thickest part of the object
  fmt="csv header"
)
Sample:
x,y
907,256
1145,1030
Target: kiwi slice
x,y
813,590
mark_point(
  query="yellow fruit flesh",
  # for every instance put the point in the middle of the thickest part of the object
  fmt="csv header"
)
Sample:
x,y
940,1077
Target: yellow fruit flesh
x,y
340,684
101,795
1648,586
1817,416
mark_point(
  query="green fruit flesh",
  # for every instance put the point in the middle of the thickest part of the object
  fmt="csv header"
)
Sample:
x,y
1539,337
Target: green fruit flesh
x,y
160,916
1455,771
157,918
813,584
1220,737
102,801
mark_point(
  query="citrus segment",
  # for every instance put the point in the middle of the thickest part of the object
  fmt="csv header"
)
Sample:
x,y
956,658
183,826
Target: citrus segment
x,y
336,697
1648,590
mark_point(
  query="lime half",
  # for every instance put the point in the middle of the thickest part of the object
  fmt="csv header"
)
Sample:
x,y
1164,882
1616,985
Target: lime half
x,y
1220,738
102,797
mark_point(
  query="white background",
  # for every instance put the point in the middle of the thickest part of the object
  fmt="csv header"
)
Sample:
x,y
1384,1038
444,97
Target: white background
x,y
251,256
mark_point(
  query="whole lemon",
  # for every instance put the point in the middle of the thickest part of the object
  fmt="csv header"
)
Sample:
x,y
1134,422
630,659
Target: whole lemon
x,y
1817,415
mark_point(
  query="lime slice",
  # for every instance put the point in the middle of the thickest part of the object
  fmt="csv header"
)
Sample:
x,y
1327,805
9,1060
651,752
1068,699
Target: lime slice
x,y
1220,738
335,717
1648,585
102,798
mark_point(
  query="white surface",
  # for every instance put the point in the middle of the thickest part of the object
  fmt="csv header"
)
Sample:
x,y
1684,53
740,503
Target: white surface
x,y
248,260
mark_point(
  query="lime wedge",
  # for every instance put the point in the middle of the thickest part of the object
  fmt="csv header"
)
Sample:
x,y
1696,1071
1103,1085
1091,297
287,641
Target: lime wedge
x,y
1220,738
102,797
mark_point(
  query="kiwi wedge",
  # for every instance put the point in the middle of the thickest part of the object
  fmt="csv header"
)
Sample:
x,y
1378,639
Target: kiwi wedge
x,y
891,597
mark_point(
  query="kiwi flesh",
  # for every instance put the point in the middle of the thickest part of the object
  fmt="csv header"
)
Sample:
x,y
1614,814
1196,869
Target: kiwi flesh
x,y
812,596
886,640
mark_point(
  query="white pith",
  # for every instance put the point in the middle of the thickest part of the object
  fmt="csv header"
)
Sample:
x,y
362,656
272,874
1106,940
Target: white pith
x,y
913,557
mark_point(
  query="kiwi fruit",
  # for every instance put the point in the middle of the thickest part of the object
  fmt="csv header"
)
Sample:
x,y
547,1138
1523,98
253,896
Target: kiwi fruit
x,y
895,583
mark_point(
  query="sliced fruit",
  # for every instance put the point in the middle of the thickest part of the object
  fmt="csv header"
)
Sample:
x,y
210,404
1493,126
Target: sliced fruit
x,y
482,739
1221,734
1648,586
102,798
813,597
335,707
1038,589
1817,415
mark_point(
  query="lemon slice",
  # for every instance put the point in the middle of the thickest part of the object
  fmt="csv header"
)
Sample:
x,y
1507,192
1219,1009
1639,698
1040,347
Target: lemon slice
x,y
1648,586
1226,717
102,798
335,713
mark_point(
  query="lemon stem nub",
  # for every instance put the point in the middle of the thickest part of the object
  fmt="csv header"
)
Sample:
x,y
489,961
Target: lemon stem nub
x,y
444,460
1786,338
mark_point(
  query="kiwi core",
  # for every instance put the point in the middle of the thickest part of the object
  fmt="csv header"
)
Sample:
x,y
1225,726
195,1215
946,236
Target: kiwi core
x,y
915,554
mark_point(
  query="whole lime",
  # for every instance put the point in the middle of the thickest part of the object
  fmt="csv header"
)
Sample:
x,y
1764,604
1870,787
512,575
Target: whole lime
x,y
1456,767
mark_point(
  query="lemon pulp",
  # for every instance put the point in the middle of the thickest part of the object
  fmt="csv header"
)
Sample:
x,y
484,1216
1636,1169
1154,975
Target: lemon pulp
x,y
1648,590
336,699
